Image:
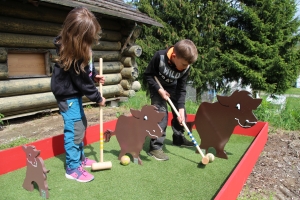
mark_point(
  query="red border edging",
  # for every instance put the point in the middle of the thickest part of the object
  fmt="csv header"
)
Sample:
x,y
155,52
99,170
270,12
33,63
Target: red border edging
x,y
55,145
48,147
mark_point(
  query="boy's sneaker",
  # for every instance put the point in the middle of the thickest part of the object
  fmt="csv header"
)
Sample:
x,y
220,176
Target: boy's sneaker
x,y
180,140
79,175
158,154
87,162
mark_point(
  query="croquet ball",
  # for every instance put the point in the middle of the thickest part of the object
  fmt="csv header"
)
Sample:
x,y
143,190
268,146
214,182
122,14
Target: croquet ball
x,y
211,157
125,160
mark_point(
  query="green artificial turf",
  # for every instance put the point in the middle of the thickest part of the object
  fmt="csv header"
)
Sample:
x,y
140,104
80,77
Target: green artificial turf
x,y
181,177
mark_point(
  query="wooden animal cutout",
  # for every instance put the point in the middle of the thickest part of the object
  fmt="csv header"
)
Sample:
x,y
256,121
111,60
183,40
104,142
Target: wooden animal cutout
x,y
215,122
36,171
131,131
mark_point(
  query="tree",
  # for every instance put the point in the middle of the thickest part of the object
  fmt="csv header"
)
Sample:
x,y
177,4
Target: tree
x,y
199,21
253,41
260,45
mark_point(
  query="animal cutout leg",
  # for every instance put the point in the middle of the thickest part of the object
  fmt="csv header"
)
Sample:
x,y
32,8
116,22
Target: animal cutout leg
x,y
27,184
122,153
221,154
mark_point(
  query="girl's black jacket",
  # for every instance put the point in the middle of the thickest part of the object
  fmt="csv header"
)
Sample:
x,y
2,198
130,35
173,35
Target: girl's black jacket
x,y
69,84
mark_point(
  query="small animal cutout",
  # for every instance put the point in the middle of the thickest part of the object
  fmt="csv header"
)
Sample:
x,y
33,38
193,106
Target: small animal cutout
x,y
36,171
131,131
215,122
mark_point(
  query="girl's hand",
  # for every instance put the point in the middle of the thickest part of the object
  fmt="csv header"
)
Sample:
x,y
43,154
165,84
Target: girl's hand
x,y
102,103
164,94
100,79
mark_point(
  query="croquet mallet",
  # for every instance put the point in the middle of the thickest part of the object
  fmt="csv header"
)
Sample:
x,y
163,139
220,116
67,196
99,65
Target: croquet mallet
x,y
101,165
205,159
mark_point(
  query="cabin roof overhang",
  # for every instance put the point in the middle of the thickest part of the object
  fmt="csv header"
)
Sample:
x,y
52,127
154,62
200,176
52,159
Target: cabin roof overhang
x,y
115,8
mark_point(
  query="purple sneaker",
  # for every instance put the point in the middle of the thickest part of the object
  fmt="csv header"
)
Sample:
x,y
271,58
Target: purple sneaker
x,y
79,175
87,162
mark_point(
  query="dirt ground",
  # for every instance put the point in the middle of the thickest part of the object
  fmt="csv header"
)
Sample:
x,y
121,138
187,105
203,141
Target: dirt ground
x,y
276,174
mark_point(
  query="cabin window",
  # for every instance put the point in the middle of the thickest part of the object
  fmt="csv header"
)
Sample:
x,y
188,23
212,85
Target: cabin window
x,y
27,65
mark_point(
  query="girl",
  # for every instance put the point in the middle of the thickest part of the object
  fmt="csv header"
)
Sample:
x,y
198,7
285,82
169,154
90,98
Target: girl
x,y
72,78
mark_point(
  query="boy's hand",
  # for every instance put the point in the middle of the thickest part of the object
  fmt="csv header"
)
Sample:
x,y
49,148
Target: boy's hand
x,y
164,94
181,118
102,103
99,78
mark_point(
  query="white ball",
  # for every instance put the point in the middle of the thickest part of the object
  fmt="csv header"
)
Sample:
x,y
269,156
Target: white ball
x,y
211,157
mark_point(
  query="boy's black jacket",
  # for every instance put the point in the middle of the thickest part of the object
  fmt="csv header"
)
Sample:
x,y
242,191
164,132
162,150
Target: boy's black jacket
x,y
168,75
69,84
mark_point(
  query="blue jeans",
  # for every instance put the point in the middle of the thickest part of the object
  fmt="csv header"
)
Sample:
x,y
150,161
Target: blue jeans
x,y
161,105
75,124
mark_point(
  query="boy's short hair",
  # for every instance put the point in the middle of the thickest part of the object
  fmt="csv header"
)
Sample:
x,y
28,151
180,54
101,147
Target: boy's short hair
x,y
187,50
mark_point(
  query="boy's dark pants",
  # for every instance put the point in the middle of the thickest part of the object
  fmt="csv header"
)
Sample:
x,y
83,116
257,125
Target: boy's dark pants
x,y
161,105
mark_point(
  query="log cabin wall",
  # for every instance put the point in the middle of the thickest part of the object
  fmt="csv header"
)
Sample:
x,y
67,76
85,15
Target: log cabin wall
x,y
27,55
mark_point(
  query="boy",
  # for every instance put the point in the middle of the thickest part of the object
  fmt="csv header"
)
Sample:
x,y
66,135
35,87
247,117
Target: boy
x,y
171,67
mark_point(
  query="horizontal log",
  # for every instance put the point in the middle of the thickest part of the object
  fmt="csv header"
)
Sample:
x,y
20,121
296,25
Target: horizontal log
x,y
28,41
3,55
22,102
110,67
18,9
107,55
33,102
106,45
128,61
39,85
112,79
129,73
23,26
27,11
17,87
35,41
133,51
108,35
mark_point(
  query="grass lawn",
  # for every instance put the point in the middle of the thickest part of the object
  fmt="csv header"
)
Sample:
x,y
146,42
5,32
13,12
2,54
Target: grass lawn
x,y
182,177
293,90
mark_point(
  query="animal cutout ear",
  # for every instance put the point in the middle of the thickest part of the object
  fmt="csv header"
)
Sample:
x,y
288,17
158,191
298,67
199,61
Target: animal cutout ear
x,y
223,100
255,103
24,148
136,113
152,113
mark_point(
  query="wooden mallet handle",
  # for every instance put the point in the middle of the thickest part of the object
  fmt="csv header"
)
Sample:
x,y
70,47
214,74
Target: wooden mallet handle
x,y
205,160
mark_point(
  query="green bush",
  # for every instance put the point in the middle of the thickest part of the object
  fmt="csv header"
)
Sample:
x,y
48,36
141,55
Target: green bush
x,y
287,118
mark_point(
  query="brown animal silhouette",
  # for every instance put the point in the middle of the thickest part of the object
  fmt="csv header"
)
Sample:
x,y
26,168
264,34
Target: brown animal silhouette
x,y
36,171
216,121
131,131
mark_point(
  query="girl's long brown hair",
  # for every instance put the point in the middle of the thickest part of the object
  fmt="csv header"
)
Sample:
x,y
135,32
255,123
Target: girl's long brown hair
x,y
80,31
